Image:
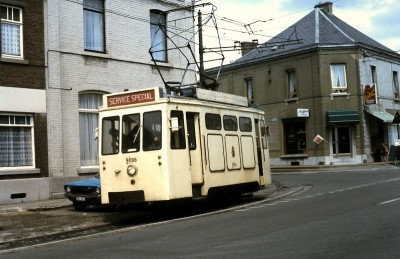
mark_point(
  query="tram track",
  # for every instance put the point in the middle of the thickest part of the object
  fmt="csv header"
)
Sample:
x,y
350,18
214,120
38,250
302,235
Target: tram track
x,y
134,220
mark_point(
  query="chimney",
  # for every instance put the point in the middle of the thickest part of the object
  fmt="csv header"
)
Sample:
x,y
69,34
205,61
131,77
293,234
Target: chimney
x,y
326,6
247,46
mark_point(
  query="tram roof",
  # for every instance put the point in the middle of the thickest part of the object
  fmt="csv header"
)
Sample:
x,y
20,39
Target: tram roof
x,y
153,95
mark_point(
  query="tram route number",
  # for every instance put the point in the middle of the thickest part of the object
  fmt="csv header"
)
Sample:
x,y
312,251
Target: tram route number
x,y
130,160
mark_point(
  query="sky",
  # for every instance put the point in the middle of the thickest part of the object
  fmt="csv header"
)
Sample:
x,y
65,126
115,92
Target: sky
x,y
378,19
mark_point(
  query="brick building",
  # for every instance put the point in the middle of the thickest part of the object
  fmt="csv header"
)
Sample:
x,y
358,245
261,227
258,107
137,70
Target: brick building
x,y
23,117
330,81
58,58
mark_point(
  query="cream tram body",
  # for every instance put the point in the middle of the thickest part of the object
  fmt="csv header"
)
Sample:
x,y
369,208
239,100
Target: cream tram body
x,y
179,147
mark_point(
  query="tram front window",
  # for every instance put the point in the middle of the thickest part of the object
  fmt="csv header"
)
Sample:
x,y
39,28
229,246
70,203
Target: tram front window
x,y
151,130
131,133
110,136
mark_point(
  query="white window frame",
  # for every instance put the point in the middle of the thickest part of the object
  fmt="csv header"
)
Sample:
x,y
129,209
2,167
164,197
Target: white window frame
x,y
88,111
30,124
291,83
10,20
335,78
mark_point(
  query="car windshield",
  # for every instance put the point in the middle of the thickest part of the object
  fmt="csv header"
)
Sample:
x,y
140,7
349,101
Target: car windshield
x,y
97,176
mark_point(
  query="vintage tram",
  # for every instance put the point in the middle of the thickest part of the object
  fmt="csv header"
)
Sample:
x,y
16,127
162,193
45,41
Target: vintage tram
x,y
160,147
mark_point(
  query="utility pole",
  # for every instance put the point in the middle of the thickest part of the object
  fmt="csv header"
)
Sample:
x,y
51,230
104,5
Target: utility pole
x,y
201,51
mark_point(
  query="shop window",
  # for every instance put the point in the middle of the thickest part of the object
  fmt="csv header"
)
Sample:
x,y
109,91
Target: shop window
x,y
338,78
11,31
295,137
341,140
16,141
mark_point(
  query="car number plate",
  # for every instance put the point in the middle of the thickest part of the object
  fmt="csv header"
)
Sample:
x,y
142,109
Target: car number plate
x,y
80,198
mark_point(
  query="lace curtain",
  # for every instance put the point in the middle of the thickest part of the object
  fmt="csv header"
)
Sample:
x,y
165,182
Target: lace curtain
x,y
15,146
10,39
88,122
338,76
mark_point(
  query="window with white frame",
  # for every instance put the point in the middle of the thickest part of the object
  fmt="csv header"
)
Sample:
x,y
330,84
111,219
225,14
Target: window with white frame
x,y
291,81
16,141
93,21
158,35
249,90
338,78
88,123
11,31
396,85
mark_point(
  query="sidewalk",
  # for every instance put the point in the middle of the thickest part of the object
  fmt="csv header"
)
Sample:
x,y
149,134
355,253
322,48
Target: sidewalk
x,y
35,205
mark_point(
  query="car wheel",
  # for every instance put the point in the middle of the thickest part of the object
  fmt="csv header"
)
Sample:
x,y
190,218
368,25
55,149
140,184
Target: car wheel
x,y
80,206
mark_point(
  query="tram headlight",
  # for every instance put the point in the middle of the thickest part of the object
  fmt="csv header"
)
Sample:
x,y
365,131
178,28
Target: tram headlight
x,y
131,170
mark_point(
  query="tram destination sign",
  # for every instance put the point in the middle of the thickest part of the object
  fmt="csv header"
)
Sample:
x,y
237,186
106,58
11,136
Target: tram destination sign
x,y
129,98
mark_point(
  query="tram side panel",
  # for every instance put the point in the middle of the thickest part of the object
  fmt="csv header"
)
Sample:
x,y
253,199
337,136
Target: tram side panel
x,y
229,160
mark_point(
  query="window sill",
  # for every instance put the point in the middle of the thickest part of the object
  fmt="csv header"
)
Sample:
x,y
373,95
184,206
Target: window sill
x,y
292,100
14,60
89,170
339,95
19,171
291,156
95,54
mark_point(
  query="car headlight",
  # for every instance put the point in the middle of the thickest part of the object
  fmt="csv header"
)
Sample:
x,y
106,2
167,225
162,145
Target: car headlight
x,y
98,190
68,189
131,170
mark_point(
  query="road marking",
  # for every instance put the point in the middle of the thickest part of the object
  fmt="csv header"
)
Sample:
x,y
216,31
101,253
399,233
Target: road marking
x,y
306,188
389,201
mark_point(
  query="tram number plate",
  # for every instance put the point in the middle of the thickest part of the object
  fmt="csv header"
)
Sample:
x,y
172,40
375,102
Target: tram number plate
x,y
80,198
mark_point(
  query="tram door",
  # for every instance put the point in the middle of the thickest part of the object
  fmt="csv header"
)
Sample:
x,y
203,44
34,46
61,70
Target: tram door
x,y
260,151
196,163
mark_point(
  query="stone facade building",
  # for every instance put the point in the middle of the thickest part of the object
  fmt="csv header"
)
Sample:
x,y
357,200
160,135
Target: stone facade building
x,y
329,92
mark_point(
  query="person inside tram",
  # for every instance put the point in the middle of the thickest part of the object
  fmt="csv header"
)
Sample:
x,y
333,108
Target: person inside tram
x,y
130,141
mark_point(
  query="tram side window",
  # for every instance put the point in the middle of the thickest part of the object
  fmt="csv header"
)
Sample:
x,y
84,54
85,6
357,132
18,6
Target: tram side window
x,y
110,135
191,130
245,124
213,121
178,137
131,133
230,123
151,130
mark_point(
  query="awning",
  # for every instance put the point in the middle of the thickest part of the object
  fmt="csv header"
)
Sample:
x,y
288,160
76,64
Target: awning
x,y
340,117
383,116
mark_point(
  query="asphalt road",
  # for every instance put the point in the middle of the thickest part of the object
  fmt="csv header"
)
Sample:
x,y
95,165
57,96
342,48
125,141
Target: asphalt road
x,y
346,213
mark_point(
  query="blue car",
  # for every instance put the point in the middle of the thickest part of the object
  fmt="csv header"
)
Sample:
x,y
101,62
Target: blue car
x,y
83,193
